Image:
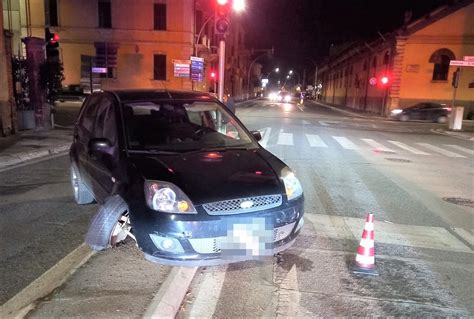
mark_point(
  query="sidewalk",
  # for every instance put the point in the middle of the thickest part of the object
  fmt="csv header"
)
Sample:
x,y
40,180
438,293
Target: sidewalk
x,y
28,145
466,133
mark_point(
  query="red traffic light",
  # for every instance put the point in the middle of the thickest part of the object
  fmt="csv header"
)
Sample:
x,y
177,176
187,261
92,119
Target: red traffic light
x,y
222,2
384,80
54,38
213,75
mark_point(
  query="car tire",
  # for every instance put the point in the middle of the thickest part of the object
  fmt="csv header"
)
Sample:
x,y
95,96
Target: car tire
x,y
404,118
441,119
81,194
104,231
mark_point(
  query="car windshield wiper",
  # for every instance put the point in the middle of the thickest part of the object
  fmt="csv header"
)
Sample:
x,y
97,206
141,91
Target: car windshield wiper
x,y
154,151
219,149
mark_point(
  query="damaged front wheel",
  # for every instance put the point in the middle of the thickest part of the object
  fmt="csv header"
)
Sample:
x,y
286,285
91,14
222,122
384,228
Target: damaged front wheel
x,y
111,225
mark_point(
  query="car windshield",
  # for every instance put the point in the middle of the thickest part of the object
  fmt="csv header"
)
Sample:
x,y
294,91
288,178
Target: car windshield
x,y
181,126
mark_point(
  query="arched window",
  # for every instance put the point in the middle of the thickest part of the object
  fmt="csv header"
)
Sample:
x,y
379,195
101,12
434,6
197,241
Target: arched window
x,y
441,60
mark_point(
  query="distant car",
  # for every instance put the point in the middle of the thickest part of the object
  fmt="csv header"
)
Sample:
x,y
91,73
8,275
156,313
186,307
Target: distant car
x,y
179,173
425,111
72,92
281,97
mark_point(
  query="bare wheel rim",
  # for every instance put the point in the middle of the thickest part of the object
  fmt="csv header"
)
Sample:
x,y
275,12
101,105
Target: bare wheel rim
x,y
122,230
75,182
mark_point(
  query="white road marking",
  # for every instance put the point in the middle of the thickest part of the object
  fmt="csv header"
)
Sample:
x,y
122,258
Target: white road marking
x,y
462,149
344,142
376,145
288,298
464,234
408,148
306,122
265,136
440,150
396,234
285,139
315,141
323,123
208,293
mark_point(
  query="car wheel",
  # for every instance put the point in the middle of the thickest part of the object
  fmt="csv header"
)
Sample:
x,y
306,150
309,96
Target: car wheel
x,y
81,194
110,226
441,119
404,118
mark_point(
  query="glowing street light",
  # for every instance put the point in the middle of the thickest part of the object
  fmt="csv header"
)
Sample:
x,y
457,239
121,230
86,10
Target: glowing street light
x,y
291,72
238,5
277,70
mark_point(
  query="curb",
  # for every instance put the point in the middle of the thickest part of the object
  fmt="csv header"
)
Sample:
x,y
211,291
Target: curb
x,y
13,159
170,296
349,112
452,134
24,301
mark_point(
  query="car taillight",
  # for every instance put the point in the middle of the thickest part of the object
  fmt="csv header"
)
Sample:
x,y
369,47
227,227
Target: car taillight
x,y
447,109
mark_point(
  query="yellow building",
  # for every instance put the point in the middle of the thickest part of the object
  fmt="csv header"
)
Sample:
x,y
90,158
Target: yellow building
x,y
414,61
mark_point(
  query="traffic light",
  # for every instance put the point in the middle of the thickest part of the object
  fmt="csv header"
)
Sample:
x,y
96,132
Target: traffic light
x,y
384,80
222,16
455,81
52,45
213,75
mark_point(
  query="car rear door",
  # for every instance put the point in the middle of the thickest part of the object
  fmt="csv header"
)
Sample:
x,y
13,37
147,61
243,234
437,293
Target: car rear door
x,y
101,166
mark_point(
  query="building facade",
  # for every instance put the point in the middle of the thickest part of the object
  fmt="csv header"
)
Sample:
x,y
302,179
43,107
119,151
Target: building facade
x,y
406,66
7,110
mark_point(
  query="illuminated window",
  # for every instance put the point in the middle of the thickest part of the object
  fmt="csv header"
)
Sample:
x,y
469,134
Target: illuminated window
x,y
159,67
441,59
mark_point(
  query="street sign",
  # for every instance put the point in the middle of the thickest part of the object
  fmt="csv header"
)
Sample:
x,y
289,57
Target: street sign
x,y
197,68
181,68
469,58
461,63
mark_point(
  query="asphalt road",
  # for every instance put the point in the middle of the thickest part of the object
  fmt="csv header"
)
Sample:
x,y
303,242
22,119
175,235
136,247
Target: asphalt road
x,y
348,167
40,222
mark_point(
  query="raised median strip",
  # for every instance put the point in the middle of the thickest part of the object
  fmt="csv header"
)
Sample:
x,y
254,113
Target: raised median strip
x,y
21,157
168,299
24,301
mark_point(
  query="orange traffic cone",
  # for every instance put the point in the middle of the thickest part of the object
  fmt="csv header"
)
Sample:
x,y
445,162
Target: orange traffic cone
x,y
365,259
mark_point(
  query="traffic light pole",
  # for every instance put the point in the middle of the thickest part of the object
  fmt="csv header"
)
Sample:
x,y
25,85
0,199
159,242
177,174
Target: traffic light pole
x,y
221,70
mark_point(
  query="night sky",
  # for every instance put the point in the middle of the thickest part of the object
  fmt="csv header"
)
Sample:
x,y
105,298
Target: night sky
x,y
307,28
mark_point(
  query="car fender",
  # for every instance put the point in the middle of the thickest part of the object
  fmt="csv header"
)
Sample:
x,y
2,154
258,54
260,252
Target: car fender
x,y
103,223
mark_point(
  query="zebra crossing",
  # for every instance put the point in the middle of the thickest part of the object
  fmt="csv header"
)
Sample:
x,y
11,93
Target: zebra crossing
x,y
282,138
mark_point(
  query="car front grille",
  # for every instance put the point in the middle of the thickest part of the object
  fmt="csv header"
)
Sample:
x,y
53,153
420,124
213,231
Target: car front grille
x,y
243,205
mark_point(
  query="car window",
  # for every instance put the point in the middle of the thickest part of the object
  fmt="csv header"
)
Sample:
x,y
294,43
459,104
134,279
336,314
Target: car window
x,y
105,124
88,115
182,126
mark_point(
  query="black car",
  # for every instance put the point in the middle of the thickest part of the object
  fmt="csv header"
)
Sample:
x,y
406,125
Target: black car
x,y
179,173
434,112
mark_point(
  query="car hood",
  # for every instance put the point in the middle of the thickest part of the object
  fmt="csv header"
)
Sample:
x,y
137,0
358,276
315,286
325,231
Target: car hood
x,y
214,176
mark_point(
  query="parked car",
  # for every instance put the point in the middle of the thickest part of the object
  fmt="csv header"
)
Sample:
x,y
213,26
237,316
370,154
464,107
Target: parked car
x,y
180,173
72,92
423,111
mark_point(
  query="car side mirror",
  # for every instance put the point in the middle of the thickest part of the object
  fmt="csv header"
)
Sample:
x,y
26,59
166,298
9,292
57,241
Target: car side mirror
x,y
257,135
100,146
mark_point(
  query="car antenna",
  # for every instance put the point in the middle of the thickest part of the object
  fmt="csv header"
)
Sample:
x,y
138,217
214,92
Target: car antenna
x,y
166,90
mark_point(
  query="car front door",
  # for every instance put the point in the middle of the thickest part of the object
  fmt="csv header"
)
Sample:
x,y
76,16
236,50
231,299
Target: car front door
x,y
101,165
83,131
416,111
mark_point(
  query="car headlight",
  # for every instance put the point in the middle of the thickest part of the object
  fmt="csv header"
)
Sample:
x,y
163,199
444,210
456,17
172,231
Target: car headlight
x,y
396,111
292,184
287,98
167,198
279,97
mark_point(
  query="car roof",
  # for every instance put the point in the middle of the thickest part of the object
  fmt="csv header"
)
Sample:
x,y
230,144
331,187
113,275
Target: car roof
x,y
153,94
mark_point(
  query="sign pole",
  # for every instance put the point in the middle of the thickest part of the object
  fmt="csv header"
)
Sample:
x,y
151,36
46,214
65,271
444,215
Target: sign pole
x,y
221,69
